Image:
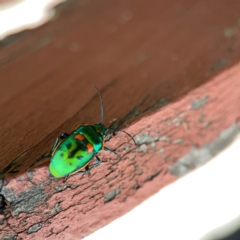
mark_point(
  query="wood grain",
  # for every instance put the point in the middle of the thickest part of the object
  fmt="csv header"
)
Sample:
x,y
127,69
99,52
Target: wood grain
x,y
130,50
141,55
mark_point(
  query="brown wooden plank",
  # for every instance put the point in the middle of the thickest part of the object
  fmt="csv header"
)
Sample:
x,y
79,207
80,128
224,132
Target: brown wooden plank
x,y
134,47
174,140
139,54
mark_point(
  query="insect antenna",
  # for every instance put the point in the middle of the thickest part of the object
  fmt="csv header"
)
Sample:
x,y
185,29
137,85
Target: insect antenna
x,y
102,106
116,131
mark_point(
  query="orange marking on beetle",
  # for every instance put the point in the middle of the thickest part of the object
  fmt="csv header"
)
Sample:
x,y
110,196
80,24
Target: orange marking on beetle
x,y
79,137
103,142
89,147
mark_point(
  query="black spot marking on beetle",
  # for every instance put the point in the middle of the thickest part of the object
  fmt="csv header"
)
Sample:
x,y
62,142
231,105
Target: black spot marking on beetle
x,y
61,155
70,164
79,157
69,145
70,155
80,147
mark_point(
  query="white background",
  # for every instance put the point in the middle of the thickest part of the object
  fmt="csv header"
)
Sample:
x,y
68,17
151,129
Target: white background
x,y
188,209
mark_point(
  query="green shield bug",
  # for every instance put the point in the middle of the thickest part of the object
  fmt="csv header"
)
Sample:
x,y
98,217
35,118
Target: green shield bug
x,y
72,153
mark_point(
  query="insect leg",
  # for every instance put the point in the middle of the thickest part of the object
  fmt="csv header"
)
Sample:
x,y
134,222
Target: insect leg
x,y
61,137
96,164
49,154
81,172
77,172
109,150
114,132
87,168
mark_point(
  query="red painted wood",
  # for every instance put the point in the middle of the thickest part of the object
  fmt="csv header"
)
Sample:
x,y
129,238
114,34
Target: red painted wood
x,y
123,48
133,51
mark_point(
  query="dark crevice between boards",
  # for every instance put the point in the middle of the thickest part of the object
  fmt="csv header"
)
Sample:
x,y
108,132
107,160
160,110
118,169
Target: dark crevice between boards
x,y
146,106
15,165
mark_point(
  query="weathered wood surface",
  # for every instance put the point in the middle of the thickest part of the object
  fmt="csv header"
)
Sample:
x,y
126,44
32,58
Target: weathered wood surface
x,y
141,55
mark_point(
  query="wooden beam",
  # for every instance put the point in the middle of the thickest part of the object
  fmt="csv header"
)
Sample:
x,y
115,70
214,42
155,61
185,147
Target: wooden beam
x,y
141,55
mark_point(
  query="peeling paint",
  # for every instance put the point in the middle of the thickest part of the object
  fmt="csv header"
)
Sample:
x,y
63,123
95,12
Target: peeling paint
x,y
143,148
177,121
135,166
30,175
151,177
145,138
57,208
9,237
132,157
34,228
26,201
164,139
153,145
154,122
197,157
127,148
198,103
161,150
178,141
60,188
111,195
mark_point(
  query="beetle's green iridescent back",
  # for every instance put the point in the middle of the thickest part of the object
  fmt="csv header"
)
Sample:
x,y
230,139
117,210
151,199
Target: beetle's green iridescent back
x,y
94,134
72,153
76,150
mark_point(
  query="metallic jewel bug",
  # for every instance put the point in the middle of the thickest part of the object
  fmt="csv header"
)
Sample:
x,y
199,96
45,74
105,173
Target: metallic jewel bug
x,y
72,153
